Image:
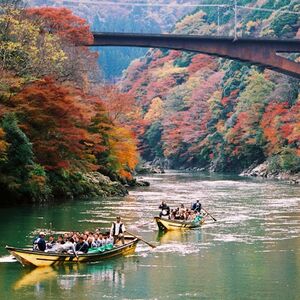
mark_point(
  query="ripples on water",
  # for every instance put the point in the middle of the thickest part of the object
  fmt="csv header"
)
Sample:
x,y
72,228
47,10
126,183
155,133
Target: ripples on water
x,y
257,222
247,211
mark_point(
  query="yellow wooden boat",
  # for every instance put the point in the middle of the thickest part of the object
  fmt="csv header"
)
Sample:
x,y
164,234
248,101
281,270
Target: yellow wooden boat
x,y
28,257
167,224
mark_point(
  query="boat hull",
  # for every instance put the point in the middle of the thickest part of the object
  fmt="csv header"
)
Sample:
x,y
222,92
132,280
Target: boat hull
x,y
28,257
166,224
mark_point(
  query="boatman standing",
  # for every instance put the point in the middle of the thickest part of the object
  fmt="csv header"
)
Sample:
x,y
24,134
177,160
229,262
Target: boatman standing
x,y
165,210
197,206
117,230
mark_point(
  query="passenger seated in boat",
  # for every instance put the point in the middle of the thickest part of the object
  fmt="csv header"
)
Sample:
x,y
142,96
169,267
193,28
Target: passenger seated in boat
x,y
189,214
110,239
68,246
198,217
82,246
117,231
60,240
91,242
100,239
173,214
65,237
176,213
97,241
165,210
85,236
182,212
51,242
39,244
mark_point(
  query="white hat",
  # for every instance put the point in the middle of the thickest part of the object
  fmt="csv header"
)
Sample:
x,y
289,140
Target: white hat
x,y
42,233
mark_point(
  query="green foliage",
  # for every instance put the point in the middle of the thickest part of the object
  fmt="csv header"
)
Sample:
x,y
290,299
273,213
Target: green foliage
x,y
284,23
256,93
183,60
287,160
153,139
20,177
19,154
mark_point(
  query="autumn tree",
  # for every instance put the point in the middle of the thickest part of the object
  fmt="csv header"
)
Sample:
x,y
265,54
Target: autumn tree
x,y
55,120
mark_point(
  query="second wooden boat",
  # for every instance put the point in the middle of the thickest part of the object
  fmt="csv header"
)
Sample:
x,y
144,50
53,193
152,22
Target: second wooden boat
x,y
167,224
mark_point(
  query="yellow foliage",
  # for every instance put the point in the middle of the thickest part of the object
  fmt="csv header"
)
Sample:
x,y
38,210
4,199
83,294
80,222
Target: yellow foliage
x,y
166,70
195,24
221,126
24,49
156,110
251,25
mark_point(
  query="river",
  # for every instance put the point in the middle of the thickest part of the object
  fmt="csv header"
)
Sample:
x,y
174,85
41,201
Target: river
x,y
251,252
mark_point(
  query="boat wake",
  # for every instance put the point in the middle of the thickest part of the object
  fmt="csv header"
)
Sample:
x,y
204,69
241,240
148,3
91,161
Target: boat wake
x,y
178,248
7,259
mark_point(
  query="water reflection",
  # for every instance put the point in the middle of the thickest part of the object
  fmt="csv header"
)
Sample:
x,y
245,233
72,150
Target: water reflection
x,y
73,276
35,277
181,236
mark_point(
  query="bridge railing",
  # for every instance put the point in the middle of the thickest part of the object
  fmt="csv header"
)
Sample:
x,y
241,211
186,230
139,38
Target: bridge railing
x,y
231,18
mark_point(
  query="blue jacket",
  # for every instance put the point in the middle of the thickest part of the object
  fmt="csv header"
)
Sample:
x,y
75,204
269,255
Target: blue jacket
x,y
39,244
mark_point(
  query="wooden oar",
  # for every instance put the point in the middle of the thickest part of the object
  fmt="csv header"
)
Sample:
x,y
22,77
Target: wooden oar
x,y
209,214
149,244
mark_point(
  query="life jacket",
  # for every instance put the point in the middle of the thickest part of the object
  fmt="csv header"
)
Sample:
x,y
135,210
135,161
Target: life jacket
x,y
114,228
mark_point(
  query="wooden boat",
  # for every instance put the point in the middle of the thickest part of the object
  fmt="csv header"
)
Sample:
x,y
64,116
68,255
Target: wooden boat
x,y
28,257
167,224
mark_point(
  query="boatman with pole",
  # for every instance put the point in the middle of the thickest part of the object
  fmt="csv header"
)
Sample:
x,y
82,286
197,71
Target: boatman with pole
x,y
165,210
197,206
117,230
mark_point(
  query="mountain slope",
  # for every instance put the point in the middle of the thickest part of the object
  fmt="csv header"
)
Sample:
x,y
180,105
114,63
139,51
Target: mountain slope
x,y
215,112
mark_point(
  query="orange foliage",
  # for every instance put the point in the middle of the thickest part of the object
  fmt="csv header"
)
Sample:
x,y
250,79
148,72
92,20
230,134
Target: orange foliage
x,y
123,150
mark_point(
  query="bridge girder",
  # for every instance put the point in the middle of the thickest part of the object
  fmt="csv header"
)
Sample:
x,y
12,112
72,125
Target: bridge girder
x,y
263,52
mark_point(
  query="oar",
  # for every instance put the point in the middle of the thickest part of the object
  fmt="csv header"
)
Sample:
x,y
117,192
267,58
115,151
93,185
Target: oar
x,y
209,214
149,244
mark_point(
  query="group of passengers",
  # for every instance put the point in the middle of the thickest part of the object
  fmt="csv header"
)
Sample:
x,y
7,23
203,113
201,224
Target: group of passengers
x,y
79,243
181,212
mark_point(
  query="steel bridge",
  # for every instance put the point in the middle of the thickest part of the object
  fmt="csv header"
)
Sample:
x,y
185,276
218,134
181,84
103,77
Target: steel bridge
x,y
258,51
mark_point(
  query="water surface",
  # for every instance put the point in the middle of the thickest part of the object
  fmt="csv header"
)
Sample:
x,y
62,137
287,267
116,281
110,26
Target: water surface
x,y
251,252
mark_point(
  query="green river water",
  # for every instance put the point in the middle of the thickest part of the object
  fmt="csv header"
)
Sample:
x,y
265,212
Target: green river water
x,y
251,252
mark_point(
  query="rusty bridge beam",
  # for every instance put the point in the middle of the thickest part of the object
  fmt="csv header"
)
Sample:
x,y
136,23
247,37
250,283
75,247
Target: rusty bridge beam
x,y
258,51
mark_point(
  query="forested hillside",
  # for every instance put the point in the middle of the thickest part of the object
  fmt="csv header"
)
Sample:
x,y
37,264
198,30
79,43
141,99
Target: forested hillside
x,y
201,111
108,16
58,122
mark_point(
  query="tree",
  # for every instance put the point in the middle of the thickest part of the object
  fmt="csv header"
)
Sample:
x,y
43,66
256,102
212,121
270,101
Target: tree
x,y
19,152
55,118
24,49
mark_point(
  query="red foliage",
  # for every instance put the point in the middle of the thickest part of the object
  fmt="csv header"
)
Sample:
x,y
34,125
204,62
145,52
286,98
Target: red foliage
x,y
62,22
271,124
200,61
55,120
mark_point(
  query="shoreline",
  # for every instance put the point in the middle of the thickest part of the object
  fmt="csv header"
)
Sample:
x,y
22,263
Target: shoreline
x,y
263,171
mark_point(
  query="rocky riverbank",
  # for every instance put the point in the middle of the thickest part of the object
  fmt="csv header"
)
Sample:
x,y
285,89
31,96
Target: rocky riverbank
x,y
102,185
264,171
